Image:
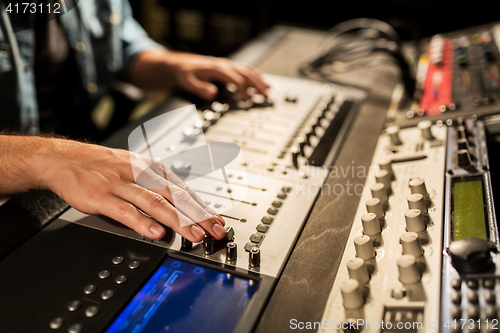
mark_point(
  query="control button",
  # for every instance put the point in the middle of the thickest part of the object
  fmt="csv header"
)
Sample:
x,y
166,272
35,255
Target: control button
x,y
374,205
219,107
254,257
191,134
91,311
463,144
456,297
490,312
117,260
134,264
473,312
262,228
267,220
410,244
208,245
74,305
272,211
456,284
231,251
256,238
358,270
186,244
384,178
463,158
472,284
386,164
417,186
470,255
56,323
371,225
229,233
286,189
408,270
180,168
379,191
416,201
282,195
107,294
104,274
393,132
90,289
351,294
425,129
121,279
364,247
75,328
277,204
414,220
489,283
472,297
249,245
456,312
291,98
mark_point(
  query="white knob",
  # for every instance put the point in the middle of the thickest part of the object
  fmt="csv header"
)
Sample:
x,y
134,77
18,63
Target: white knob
x,y
374,205
414,221
371,225
384,178
416,201
393,132
386,164
364,247
379,191
351,294
408,270
358,270
417,186
425,127
411,245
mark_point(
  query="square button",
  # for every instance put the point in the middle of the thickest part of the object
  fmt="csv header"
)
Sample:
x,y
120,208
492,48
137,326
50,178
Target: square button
x,y
282,195
277,204
267,220
262,228
256,238
272,211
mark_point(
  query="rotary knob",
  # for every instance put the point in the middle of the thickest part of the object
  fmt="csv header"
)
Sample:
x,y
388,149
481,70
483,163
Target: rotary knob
x,y
371,225
231,251
393,132
384,178
425,128
416,201
414,221
374,205
379,191
417,186
364,247
254,257
410,244
208,245
186,244
351,294
358,271
408,270
471,255
386,164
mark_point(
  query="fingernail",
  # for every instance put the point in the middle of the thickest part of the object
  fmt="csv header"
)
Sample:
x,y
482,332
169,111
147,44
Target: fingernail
x,y
157,230
218,230
197,232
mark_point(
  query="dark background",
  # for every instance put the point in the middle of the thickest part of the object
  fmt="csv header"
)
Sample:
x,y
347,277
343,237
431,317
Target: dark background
x,y
220,27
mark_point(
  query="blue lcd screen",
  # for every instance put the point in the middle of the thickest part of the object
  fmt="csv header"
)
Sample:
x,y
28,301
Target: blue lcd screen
x,y
185,297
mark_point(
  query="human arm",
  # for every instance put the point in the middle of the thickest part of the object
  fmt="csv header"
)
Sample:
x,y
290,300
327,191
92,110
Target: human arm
x,y
99,180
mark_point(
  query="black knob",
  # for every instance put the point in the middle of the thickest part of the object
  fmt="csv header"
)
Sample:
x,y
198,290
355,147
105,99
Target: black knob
x,y
254,257
471,255
231,251
186,244
208,245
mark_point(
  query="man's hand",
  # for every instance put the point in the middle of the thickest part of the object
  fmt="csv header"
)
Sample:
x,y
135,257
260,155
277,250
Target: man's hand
x,y
193,73
98,180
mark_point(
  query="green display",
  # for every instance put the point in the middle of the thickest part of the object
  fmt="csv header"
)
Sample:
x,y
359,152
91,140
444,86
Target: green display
x,y
468,210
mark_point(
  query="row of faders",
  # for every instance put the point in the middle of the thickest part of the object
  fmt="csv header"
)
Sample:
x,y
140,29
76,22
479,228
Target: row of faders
x,y
389,276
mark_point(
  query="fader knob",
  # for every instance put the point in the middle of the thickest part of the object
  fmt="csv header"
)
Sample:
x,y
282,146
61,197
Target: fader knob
x,y
416,201
410,244
374,205
386,164
425,128
384,178
417,186
351,294
371,225
414,221
358,271
408,269
463,144
364,247
463,158
379,191
393,132
254,257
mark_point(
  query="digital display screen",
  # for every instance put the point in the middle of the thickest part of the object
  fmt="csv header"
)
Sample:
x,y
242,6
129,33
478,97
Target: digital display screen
x,y
186,297
468,209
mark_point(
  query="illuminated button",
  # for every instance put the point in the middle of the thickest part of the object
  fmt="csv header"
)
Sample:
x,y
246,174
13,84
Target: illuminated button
x,y
74,305
121,279
371,225
267,220
414,220
351,294
358,270
104,274
416,201
134,264
374,205
408,270
117,260
90,289
410,244
364,247
91,311
56,323
107,294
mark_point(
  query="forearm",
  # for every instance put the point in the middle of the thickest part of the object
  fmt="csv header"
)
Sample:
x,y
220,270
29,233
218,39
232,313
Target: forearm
x,y
150,70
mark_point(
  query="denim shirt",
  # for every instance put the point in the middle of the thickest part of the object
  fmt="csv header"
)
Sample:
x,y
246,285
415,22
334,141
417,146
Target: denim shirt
x,y
104,36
